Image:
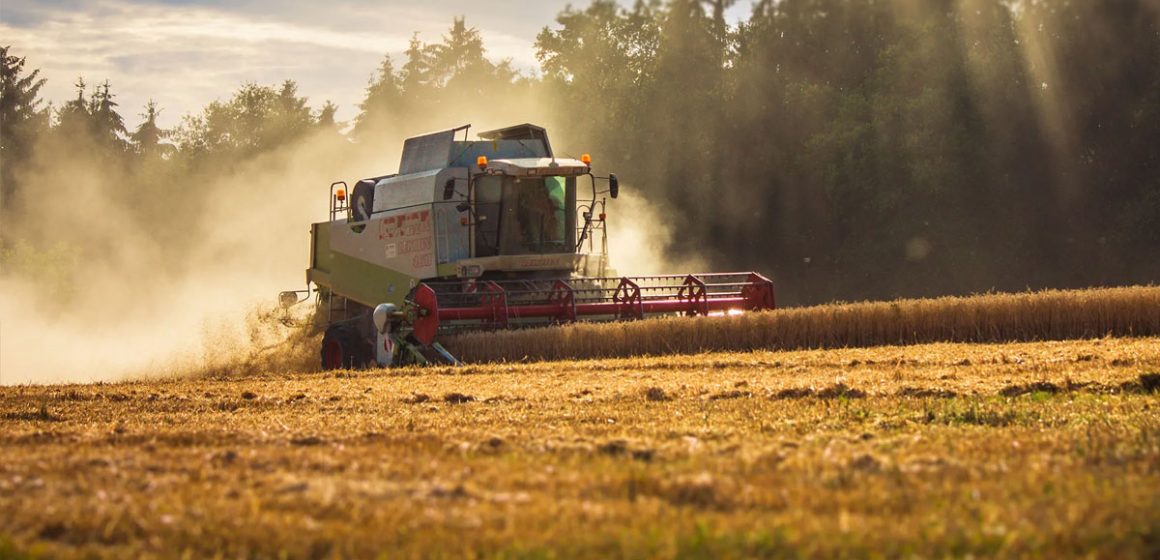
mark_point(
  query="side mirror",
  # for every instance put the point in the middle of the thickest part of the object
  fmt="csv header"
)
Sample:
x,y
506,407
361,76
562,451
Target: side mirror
x,y
287,299
448,189
613,185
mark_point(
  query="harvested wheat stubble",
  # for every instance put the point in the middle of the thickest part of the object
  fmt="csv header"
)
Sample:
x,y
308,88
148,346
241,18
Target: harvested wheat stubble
x,y
1031,316
1025,450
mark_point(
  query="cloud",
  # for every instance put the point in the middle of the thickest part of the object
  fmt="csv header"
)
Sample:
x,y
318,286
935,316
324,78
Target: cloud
x,y
185,54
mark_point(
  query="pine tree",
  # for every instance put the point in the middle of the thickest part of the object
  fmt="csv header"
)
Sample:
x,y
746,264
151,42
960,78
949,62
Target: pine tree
x,y
415,76
72,119
381,106
21,118
325,119
147,138
719,7
108,127
290,116
460,54
19,104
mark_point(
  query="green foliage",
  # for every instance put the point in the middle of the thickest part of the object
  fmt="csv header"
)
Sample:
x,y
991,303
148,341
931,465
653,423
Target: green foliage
x,y
72,119
459,56
601,57
93,124
108,127
256,119
146,139
326,116
53,268
436,85
856,149
18,94
290,117
21,118
383,101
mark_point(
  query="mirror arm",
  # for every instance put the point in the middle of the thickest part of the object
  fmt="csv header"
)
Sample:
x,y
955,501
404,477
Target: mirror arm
x,y
587,223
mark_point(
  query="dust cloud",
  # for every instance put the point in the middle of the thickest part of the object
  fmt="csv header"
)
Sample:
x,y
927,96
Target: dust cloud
x,y
639,236
168,293
180,277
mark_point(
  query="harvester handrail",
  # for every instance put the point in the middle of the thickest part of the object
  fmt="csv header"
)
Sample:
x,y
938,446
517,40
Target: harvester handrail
x,y
338,204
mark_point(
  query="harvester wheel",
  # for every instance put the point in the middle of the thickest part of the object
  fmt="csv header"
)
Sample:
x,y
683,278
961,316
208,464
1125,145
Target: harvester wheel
x,y
362,200
343,348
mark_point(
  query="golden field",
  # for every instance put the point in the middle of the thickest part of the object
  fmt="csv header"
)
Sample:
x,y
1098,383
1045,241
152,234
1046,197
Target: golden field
x,y
998,317
1045,449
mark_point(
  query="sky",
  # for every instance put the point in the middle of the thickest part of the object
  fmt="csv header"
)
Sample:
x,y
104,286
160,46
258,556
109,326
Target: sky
x,y
184,54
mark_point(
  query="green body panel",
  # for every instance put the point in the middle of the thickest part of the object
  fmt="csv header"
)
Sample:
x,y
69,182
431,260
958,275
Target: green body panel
x,y
353,278
368,283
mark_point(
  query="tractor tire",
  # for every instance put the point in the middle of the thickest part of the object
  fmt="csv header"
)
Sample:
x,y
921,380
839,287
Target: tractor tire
x,y
343,348
362,200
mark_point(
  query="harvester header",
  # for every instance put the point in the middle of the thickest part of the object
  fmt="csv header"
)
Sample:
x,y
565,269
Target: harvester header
x,y
492,233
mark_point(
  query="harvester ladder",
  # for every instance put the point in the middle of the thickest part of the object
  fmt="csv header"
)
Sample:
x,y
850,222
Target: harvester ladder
x,y
331,307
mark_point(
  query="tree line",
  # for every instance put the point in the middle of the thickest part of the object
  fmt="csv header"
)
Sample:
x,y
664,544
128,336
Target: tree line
x,y
850,148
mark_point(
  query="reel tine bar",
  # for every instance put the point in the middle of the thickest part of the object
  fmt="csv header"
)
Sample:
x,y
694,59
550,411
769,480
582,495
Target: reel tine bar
x,y
495,299
564,298
693,291
629,304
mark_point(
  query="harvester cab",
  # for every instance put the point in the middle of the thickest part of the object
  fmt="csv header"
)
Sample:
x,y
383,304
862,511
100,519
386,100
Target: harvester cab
x,y
491,233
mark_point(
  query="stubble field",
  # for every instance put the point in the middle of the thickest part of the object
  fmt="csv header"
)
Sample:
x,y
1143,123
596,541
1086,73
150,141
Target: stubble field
x,y
1041,449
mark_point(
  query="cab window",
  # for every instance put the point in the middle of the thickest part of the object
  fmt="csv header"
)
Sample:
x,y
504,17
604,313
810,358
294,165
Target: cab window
x,y
535,216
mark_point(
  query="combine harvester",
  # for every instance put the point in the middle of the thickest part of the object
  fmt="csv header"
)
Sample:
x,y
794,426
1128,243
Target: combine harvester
x,y
478,235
